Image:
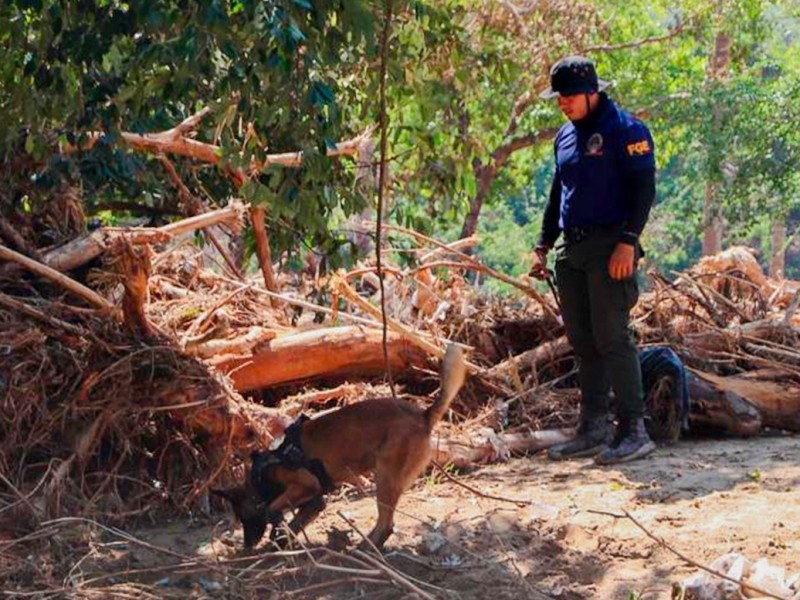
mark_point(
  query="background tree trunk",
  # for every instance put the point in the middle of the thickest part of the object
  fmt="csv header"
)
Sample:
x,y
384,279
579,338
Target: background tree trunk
x,y
484,175
713,226
777,259
258,217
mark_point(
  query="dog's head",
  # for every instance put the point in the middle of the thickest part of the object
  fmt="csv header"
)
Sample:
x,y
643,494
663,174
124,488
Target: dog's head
x,y
250,509
251,501
275,484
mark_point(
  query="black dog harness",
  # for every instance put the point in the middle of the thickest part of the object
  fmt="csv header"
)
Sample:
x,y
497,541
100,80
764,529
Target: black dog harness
x,y
290,455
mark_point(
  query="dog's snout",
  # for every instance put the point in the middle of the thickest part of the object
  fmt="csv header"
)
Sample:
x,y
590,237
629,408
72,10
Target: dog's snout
x,y
254,529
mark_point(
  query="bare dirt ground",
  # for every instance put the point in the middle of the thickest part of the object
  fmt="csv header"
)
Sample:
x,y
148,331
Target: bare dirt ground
x,y
703,497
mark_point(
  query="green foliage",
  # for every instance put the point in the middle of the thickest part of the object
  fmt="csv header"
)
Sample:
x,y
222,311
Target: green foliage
x,y
505,245
68,68
459,68
303,74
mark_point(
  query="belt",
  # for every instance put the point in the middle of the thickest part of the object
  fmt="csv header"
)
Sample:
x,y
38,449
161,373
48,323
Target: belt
x,y
575,235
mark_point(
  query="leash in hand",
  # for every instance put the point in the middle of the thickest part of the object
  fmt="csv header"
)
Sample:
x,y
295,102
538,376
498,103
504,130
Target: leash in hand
x,y
550,278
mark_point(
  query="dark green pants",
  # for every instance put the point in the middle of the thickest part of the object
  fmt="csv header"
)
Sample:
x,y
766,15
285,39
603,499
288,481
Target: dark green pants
x,y
596,312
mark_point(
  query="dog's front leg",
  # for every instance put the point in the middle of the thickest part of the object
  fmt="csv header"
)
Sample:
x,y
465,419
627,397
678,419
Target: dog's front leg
x,y
306,513
308,498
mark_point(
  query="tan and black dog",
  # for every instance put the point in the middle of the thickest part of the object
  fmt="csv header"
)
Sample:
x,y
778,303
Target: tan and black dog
x,y
388,437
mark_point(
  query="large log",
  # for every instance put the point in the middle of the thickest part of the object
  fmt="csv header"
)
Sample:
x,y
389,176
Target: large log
x,y
778,403
330,353
720,410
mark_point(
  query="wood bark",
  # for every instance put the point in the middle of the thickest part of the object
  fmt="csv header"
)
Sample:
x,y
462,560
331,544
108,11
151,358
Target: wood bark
x,y
175,141
204,347
193,206
257,219
485,446
71,285
471,263
778,404
134,266
17,241
81,250
713,228
330,353
532,359
485,173
721,410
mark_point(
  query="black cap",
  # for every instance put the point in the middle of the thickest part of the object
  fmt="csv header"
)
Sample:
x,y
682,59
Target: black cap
x,y
573,75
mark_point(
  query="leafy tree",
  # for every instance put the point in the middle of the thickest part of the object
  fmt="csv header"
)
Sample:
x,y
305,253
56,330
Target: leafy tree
x,y
269,70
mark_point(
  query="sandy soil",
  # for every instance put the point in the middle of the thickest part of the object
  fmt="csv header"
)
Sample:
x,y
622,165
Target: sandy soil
x,y
703,497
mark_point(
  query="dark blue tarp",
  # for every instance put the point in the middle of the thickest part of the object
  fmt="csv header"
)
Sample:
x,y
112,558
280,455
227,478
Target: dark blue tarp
x,y
661,361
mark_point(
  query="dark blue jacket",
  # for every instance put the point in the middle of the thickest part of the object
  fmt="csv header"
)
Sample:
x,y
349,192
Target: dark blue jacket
x,y
605,174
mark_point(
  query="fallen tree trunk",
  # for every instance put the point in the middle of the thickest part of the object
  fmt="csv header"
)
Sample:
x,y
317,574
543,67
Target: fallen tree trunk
x,y
81,250
715,408
331,353
778,404
487,446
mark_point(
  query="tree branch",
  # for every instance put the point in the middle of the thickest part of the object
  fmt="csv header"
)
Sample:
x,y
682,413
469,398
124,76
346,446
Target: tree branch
x,y
65,282
676,31
501,153
193,206
173,141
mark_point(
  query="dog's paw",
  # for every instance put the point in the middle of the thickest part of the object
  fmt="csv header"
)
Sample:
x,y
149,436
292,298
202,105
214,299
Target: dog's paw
x,y
338,539
369,548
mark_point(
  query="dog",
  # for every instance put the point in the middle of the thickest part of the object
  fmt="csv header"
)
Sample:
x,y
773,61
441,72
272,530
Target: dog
x,y
384,436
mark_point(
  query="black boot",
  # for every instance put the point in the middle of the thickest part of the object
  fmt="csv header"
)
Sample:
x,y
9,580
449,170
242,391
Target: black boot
x,y
630,442
593,435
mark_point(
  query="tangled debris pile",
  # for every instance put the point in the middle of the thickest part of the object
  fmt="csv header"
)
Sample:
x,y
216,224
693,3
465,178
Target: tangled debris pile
x,y
86,403
116,415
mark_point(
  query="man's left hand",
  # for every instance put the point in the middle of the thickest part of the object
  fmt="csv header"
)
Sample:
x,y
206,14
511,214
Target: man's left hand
x,y
621,265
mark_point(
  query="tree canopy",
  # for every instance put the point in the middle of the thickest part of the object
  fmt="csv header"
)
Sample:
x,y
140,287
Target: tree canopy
x,y
469,140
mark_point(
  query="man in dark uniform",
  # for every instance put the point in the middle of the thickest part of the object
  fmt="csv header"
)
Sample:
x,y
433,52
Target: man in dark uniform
x,y
602,191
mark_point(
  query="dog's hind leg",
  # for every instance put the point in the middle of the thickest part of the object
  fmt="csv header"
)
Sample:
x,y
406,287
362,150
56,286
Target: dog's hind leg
x,y
387,495
391,481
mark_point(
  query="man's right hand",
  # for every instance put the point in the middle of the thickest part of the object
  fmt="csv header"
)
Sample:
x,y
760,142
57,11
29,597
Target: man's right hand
x,y
539,263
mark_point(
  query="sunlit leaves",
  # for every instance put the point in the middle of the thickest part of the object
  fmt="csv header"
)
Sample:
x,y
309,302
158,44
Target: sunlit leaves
x,y
269,69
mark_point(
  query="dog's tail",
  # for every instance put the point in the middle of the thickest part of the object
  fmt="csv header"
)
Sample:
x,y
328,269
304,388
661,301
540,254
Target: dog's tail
x,y
454,371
